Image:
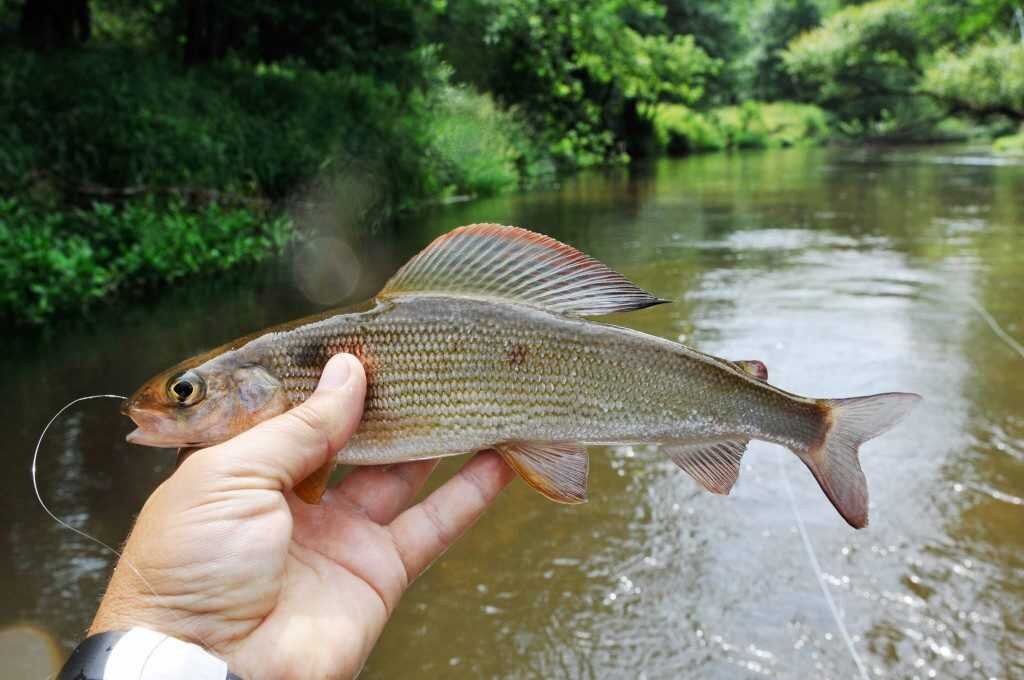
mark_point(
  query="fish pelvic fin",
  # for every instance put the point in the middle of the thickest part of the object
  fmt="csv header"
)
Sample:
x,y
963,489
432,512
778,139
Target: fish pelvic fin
x,y
558,470
497,262
716,465
311,489
834,461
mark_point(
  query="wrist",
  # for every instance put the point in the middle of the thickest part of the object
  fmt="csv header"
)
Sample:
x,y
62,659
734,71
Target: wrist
x,y
142,654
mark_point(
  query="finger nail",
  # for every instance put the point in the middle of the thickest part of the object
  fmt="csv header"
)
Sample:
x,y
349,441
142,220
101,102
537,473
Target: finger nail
x,y
336,372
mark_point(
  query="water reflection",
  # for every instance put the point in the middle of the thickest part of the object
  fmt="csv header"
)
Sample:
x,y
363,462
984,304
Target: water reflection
x,y
846,272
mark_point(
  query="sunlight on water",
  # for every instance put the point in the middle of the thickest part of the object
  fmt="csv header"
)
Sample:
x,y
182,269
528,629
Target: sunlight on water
x,y
845,272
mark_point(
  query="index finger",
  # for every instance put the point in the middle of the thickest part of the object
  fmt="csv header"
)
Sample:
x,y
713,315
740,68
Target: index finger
x,y
423,532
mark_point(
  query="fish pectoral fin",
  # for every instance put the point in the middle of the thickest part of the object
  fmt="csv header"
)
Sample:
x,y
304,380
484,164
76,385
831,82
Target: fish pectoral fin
x,y
715,465
312,488
558,470
509,263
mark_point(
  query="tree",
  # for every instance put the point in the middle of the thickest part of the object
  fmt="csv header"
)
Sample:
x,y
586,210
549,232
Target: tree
x,y
863,62
987,79
779,22
50,24
587,73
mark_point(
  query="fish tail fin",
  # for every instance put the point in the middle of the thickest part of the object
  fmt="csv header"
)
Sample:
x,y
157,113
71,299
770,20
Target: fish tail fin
x,y
833,459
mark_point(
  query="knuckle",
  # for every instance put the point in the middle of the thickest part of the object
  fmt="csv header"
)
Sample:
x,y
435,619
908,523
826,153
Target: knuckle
x,y
443,531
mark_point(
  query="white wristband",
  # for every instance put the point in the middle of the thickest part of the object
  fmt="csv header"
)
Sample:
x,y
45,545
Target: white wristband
x,y
147,655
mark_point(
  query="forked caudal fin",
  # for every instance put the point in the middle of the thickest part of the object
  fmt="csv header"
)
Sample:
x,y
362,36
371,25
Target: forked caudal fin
x,y
834,462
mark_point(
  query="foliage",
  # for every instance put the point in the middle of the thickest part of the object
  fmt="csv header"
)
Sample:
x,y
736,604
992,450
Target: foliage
x,y
147,122
987,78
481,148
1010,144
862,60
899,67
164,111
682,130
779,22
52,262
582,75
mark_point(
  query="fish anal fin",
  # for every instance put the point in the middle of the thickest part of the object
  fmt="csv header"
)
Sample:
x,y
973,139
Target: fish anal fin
x,y
311,489
716,465
754,367
558,470
509,263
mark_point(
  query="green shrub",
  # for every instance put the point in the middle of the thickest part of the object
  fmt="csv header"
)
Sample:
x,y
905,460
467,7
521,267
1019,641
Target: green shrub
x,y
54,262
480,148
682,130
985,78
1010,144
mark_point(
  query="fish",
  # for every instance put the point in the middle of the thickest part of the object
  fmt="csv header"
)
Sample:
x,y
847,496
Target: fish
x,y
484,341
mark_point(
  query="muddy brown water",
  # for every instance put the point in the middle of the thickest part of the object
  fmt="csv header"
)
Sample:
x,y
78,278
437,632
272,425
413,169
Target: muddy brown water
x,y
846,271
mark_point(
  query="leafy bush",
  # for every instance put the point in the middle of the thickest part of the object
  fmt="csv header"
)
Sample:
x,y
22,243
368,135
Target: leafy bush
x,y
53,262
986,78
1010,144
481,149
752,125
864,60
145,121
585,75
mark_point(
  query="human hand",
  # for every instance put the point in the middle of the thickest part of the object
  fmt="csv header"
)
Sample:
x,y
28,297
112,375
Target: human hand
x,y
276,587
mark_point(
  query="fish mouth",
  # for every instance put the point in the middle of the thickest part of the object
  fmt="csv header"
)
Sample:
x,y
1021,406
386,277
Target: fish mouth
x,y
146,438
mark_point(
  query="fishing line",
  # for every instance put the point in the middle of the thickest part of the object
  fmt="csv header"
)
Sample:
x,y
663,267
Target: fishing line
x,y
816,567
812,557
35,486
996,328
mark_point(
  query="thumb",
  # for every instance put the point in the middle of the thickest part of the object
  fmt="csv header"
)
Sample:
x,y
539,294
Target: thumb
x,y
286,449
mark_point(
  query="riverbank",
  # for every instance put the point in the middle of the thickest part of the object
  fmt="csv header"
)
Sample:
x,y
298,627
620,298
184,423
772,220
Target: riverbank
x,y
158,172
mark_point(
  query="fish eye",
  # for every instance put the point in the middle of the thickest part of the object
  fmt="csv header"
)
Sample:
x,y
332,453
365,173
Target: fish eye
x,y
186,389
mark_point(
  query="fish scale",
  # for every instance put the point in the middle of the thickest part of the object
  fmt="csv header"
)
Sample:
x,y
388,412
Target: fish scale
x,y
447,376
482,341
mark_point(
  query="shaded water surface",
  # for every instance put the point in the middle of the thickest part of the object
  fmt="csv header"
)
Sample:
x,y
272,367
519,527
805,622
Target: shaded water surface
x,y
846,272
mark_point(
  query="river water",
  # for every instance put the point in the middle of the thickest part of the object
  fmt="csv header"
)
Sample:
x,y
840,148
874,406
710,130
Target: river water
x,y
846,271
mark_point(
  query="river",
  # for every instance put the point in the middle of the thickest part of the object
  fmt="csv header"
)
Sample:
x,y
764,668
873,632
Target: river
x,y
846,271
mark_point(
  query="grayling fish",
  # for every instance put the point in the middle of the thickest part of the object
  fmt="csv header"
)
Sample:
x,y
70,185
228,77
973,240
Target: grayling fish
x,y
482,342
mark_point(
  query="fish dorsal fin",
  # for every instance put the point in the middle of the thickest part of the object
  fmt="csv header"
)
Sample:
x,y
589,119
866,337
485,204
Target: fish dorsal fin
x,y
716,465
509,263
559,470
754,368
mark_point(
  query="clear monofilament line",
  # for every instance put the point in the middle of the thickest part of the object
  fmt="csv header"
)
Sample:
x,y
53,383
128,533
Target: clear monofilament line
x,y
35,486
1010,341
816,568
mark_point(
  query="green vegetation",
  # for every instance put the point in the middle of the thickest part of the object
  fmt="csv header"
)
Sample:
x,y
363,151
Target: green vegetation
x,y
1010,144
752,125
147,141
54,262
898,69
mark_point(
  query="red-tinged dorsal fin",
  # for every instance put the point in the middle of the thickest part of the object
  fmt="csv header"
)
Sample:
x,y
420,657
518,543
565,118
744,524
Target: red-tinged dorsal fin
x,y
715,465
558,470
492,261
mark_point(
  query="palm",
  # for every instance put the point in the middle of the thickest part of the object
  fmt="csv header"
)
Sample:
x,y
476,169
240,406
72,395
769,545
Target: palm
x,y
283,589
224,555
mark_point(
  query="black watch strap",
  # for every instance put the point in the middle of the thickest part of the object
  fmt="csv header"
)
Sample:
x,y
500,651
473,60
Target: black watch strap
x,y
138,654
